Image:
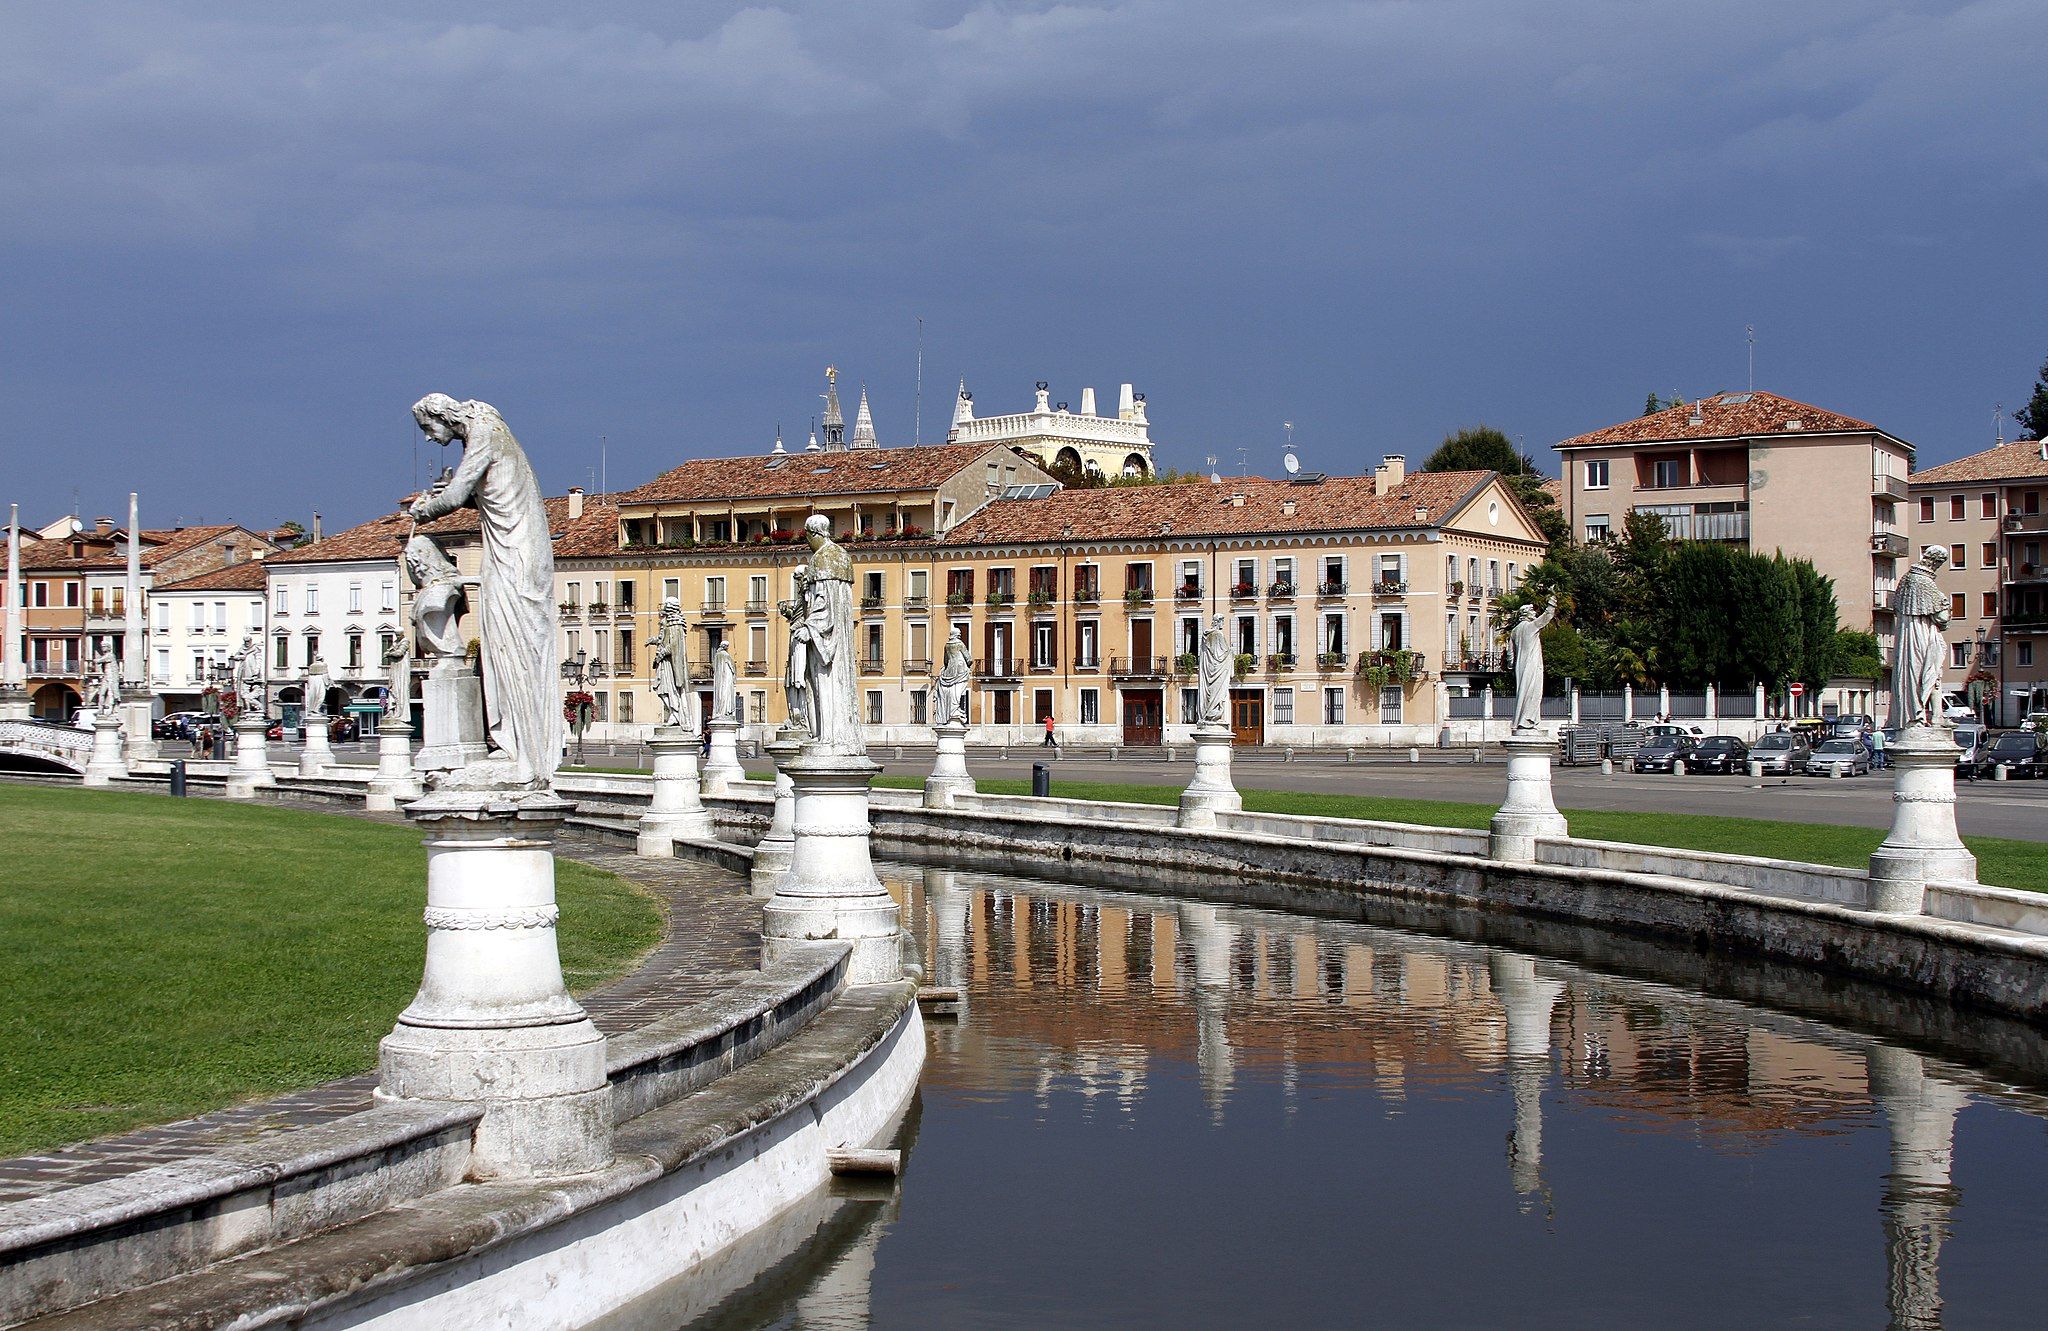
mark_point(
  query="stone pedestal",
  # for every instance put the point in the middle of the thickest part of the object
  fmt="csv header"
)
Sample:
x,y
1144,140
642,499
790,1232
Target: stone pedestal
x,y
395,782
1210,793
677,808
1529,811
1923,846
13,703
452,707
949,767
107,763
722,763
775,848
135,723
251,771
317,755
831,891
493,1022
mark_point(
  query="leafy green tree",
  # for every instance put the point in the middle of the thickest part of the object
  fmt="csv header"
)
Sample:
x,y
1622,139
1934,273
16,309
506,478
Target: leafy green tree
x,y
1484,448
2034,416
1854,655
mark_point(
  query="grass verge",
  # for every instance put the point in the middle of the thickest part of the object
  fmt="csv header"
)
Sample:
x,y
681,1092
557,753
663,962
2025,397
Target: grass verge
x,y
165,957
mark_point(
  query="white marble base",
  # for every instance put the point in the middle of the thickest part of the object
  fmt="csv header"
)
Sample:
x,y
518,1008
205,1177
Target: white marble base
x,y
452,713
107,764
1210,792
136,720
396,782
493,1021
949,767
773,852
1530,811
14,704
831,891
317,755
677,808
722,763
251,769
1923,845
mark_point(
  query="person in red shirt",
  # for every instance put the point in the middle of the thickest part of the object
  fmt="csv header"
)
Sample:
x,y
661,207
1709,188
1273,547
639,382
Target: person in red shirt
x,y
1050,742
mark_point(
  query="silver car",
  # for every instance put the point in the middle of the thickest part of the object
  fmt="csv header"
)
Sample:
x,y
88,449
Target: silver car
x,y
1844,757
1781,753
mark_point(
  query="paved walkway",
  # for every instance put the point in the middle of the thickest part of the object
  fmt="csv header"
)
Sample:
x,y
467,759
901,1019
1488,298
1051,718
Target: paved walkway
x,y
713,942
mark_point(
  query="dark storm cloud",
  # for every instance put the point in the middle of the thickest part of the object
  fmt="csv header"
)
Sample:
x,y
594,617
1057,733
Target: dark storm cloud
x,y
243,240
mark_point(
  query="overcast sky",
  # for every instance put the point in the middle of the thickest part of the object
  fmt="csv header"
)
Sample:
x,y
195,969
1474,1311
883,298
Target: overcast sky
x,y
240,239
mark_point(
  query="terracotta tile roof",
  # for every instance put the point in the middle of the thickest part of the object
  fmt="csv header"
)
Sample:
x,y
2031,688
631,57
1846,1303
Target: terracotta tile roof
x,y
1723,416
1200,508
799,475
382,538
1554,488
593,535
244,575
2020,461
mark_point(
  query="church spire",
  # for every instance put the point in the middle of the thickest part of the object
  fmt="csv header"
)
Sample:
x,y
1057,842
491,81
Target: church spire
x,y
864,423
834,423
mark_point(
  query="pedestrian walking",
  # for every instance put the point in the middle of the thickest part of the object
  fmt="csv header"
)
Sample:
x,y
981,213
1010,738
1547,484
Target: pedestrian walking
x,y
1877,749
1050,741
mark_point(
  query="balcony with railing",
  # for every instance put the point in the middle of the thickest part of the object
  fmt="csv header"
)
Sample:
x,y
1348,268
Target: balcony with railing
x,y
1888,541
1881,594
1331,588
1137,597
55,665
1045,665
571,612
1280,591
1706,526
872,665
712,607
1278,662
1187,592
997,667
755,668
757,605
1389,588
872,603
1329,661
1087,665
918,665
2025,572
1137,667
1888,487
917,603
2024,522
1475,663
1244,591
1087,593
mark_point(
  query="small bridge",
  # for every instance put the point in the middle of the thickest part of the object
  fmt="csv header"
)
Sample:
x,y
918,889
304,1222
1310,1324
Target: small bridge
x,y
43,745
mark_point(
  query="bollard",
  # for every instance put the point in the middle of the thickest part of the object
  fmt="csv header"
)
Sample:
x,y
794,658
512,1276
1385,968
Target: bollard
x,y
1041,781
1350,755
178,777
1287,754
1998,772
1607,767
1113,751
1414,754
1756,769
1475,753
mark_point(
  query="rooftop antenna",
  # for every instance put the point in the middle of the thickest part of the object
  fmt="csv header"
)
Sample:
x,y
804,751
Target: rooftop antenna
x,y
1215,477
1287,459
1749,331
917,401
1243,456
604,470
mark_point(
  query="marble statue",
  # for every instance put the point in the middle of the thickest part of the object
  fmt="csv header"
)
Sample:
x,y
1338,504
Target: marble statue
x,y
248,666
796,688
1215,665
670,664
106,682
318,682
826,585
518,655
398,678
1527,637
725,685
949,690
1921,612
440,598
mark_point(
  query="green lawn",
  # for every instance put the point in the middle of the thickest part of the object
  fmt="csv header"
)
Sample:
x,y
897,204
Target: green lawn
x,y
2021,864
165,957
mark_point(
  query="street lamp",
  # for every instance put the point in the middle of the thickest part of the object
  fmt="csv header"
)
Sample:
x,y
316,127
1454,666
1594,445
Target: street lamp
x,y
576,670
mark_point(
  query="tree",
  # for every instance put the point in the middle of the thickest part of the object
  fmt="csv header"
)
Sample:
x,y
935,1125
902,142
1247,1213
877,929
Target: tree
x,y
2034,416
1654,404
1487,449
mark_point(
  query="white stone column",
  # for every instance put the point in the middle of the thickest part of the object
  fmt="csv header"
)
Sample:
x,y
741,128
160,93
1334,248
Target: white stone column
x,y
677,809
1663,700
135,707
1575,704
1923,845
1758,702
1628,703
1486,707
831,891
773,851
317,755
1530,811
949,776
395,782
13,672
1713,702
106,764
1210,792
251,770
1919,1192
722,764
1528,1000
493,1022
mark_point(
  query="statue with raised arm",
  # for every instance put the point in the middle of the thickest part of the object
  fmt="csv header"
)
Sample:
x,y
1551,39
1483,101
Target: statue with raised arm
x,y
520,661
1527,637
725,685
249,696
956,677
106,681
439,600
796,688
827,633
670,663
1921,613
1215,665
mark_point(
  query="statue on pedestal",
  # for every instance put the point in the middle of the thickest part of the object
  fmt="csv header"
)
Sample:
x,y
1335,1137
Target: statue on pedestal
x,y
439,600
1527,637
826,585
670,663
725,685
398,678
1921,613
518,653
106,682
796,688
248,667
318,682
1215,665
949,690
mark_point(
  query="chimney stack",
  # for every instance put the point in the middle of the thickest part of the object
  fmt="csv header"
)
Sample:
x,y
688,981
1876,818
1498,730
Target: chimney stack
x,y
1125,408
316,524
576,501
104,526
1393,470
227,550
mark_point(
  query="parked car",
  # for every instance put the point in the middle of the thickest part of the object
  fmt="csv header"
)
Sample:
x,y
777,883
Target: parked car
x,y
1856,720
1781,753
1718,753
1661,753
2017,751
1971,739
275,732
1851,757
166,727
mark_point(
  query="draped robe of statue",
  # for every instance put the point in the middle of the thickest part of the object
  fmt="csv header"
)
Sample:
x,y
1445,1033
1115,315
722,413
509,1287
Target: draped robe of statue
x,y
1921,613
520,661
796,688
318,681
1527,637
398,679
725,686
949,691
1216,665
249,678
671,666
827,630
439,599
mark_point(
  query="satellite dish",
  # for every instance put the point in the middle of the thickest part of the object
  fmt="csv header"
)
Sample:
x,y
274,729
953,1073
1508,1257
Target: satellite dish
x,y
1215,478
1291,462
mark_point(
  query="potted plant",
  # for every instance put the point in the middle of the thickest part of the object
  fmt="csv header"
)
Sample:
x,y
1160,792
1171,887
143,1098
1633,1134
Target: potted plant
x,y
997,600
956,600
1041,596
1184,664
1329,660
1138,596
1243,663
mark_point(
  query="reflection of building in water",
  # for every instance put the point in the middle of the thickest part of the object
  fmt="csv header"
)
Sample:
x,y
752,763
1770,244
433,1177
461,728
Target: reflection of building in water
x,y
1528,1000
1209,943
949,906
1918,1195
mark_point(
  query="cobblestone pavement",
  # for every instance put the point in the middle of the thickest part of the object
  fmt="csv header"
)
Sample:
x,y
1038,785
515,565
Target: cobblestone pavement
x,y
713,941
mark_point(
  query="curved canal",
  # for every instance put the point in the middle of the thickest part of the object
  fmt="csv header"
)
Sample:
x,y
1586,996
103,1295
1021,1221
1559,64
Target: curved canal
x,y
1169,1113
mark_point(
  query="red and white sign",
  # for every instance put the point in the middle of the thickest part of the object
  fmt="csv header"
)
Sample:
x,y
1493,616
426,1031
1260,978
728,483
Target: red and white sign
x,y
1798,689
